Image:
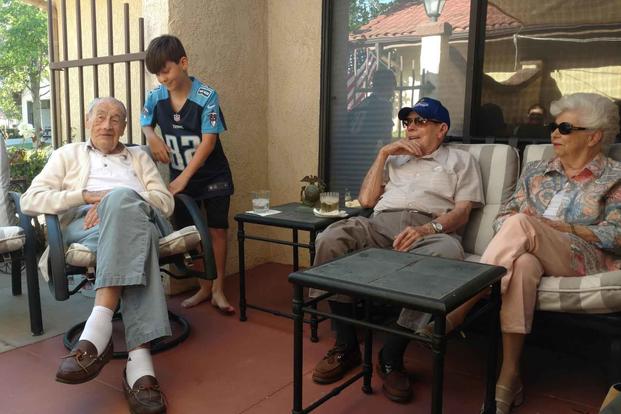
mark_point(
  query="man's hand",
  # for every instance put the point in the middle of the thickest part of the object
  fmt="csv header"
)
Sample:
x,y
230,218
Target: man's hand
x,y
91,219
408,236
403,147
178,184
93,197
159,149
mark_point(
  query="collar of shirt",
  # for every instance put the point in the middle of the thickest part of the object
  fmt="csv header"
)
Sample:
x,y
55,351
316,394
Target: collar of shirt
x,y
90,146
593,168
440,155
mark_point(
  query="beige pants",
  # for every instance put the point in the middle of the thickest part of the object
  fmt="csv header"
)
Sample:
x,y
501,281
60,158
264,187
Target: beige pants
x,y
358,233
528,249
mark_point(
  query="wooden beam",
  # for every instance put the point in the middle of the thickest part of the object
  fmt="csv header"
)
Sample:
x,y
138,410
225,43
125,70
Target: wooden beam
x,y
42,4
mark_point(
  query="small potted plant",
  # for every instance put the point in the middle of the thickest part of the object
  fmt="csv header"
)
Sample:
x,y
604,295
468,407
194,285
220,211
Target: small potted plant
x,y
309,194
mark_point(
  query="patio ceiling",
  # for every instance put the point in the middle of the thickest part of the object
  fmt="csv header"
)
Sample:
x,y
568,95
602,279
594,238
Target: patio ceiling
x,y
561,12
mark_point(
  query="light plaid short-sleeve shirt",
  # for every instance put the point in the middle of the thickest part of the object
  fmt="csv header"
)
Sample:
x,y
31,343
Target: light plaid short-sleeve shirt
x,y
433,183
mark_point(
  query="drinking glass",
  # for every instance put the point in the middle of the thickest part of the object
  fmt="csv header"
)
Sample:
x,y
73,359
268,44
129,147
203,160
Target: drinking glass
x,y
329,202
260,201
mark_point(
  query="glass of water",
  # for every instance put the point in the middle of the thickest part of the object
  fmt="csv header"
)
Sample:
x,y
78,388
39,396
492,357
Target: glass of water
x,y
260,201
329,202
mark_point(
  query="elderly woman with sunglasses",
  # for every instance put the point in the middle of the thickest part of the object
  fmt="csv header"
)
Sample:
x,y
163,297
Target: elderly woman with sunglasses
x,y
563,219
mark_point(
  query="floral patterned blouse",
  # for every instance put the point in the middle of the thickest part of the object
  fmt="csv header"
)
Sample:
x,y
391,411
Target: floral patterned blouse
x,y
592,200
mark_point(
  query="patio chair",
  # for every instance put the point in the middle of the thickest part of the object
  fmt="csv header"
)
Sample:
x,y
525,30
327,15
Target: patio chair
x,y
178,249
589,303
18,245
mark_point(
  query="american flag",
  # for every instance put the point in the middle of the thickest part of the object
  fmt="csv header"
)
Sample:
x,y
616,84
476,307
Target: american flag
x,y
362,67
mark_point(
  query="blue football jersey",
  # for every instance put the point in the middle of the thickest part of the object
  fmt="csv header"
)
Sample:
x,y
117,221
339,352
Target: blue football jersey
x,y
183,130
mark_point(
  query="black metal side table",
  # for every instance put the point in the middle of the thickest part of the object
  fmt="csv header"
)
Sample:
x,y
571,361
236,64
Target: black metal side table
x,y
294,216
425,283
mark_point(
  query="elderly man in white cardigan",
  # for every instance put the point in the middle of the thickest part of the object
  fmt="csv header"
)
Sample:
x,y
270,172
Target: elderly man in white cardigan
x,y
112,199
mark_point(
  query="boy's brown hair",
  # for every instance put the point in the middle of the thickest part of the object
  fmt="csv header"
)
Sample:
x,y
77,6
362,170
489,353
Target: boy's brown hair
x,y
161,50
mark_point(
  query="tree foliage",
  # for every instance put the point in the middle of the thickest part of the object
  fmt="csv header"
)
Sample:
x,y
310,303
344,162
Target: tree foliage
x,y
362,11
23,54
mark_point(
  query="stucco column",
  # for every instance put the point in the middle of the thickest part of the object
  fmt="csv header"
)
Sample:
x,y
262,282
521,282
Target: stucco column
x,y
434,56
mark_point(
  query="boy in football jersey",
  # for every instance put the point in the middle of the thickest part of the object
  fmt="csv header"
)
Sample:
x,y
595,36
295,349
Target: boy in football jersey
x,y
189,116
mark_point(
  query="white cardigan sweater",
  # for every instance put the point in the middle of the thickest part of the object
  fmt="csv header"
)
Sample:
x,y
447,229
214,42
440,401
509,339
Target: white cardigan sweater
x,y
58,187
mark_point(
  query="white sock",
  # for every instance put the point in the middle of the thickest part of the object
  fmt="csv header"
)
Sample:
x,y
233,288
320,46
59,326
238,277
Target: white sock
x,y
139,364
98,328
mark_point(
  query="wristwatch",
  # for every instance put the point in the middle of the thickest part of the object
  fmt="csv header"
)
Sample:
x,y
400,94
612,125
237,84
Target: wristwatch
x,y
437,227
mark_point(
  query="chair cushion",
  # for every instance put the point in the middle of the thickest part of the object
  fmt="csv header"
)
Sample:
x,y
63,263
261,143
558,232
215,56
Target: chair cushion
x,y
179,241
596,293
12,238
499,165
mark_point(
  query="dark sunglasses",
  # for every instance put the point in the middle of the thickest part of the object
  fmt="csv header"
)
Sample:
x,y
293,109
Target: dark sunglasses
x,y
565,128
418,121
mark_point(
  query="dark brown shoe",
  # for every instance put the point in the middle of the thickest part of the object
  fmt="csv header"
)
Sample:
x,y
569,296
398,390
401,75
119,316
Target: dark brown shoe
x,y
335,364
145,397
82,363
397,384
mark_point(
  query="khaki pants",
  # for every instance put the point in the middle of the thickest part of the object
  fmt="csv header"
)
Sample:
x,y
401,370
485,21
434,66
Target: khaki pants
x,y
528,249
380,230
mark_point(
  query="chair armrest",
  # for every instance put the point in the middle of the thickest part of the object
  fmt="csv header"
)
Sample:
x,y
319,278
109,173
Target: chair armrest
x,y
59,284
199,221
25,222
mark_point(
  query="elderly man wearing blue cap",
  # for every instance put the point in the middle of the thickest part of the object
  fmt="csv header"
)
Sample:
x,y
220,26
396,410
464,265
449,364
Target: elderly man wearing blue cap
x,y
422,193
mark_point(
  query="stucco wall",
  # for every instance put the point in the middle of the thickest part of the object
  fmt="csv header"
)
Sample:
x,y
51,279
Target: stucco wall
x,y
293,67
226,42
263,57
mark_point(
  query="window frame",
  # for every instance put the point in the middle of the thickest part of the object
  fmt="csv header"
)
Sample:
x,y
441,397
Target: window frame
x,y
474,76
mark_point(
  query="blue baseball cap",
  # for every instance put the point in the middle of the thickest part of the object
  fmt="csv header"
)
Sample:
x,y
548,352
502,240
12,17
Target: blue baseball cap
x,y
427,108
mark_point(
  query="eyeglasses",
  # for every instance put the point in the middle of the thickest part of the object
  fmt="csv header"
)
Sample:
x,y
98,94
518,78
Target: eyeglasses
x,y
565,128
418,121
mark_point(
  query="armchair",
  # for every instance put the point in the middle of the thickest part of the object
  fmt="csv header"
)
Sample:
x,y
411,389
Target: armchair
x,y
17,246
178,249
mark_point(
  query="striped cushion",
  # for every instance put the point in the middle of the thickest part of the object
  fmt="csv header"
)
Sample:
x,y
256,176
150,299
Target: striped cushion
x,y
499,172
597,293
12,238
179,241
7,210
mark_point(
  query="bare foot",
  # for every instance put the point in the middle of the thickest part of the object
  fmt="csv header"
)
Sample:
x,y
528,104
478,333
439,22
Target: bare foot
x,y
199,297
219,301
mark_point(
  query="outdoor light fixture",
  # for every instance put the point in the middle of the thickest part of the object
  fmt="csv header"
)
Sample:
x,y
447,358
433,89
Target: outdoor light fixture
x,y
433,8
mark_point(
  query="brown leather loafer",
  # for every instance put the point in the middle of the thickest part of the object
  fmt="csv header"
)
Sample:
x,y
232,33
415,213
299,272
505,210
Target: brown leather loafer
x,y
335,364
145,397
82,363
397,384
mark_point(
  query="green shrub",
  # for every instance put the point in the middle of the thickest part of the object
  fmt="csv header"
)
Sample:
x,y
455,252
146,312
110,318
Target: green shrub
x,y
25,164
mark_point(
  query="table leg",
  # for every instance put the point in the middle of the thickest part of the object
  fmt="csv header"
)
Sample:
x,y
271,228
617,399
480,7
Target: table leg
x,y
438,347
367,364
241,237
492,352
298,350
314,323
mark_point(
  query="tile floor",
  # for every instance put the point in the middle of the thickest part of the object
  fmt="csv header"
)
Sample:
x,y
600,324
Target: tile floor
x,y
229,367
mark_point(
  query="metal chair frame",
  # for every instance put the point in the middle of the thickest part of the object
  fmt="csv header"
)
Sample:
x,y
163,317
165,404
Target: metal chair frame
x,y
60,270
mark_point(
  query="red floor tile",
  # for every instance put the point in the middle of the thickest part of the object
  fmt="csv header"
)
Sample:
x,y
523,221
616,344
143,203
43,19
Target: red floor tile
x,y
229,367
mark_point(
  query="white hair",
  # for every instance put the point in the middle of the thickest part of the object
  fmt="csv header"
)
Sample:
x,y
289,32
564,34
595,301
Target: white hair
x,y
97,101
593,110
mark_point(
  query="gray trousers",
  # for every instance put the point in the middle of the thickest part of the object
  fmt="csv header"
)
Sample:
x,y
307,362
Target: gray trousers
x,y
380,230
126,241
